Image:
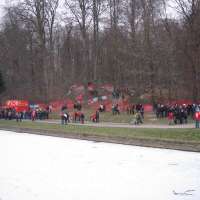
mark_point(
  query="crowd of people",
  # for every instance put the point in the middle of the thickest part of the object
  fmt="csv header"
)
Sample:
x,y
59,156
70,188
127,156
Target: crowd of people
x,y
76,116
176,114
31,114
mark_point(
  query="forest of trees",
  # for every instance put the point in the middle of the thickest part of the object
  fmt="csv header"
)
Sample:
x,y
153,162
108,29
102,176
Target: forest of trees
x,y
131,43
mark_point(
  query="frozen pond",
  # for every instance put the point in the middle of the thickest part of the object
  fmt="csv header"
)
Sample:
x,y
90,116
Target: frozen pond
x,y
34,167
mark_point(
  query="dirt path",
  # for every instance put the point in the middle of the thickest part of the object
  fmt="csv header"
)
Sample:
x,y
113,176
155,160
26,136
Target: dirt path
x,y
123,125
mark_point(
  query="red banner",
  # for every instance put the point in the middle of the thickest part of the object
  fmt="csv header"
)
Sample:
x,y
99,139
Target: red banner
x,y
13,103
18,105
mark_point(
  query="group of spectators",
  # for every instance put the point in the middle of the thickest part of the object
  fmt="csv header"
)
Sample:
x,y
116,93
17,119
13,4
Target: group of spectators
x,y
177,114
138,112
10,113
76,116
31,114
139,115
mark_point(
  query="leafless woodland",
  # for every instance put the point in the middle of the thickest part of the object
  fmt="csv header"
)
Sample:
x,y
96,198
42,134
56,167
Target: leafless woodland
x,y
130,43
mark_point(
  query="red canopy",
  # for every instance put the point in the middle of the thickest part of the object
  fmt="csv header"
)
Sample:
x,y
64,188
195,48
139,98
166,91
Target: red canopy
x,y
18,105
13,103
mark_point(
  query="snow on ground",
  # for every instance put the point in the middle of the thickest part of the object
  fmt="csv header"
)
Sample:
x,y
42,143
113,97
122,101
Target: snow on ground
x,y
34,167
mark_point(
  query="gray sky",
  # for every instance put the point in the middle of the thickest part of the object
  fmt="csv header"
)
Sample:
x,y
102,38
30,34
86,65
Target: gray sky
x,y
171,12
2,3
8,2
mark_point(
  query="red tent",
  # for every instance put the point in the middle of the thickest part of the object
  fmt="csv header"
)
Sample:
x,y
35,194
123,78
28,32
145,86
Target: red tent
x,y
18,105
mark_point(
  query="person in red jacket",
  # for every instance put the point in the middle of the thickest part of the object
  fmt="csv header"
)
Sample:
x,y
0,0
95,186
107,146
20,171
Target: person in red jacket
x,y
170,117
197,119
33,115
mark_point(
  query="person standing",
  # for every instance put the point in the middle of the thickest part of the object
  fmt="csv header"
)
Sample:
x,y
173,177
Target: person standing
x,y
197,117
66,118
97,116
62,118
170,117
82,118
17,116
33,115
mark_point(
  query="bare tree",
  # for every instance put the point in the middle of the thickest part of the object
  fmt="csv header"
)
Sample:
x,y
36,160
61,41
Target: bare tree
x,y
127,42
81,12
39,15
98,8
190,11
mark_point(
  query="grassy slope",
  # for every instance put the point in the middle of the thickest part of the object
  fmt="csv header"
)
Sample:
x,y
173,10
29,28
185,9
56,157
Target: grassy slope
x,y
189,135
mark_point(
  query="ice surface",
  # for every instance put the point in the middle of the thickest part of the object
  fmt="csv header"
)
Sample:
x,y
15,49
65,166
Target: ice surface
x,y
34,167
